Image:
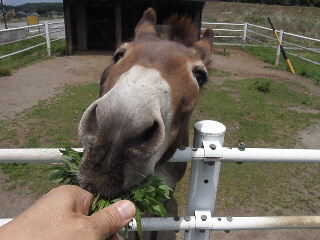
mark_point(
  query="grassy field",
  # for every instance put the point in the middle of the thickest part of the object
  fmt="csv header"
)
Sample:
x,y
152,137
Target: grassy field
x,y
8,65
51,123
295,19
256,111
303,68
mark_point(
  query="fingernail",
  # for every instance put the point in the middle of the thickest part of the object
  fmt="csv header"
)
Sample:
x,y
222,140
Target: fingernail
x,y
126,209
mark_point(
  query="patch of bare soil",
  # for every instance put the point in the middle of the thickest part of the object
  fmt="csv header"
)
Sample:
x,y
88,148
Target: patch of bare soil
x,y
310,137
24,89
243,65
40,81
300,109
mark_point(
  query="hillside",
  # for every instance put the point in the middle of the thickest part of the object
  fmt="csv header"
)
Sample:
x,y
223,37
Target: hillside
x,y
296,19
20,2
41,8
282,2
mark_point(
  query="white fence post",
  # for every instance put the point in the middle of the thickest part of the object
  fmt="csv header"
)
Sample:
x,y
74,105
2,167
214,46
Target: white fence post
x,y
46,27
279,48
205,176
245,28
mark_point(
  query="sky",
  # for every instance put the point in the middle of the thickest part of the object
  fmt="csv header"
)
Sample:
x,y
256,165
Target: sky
x,y
19,2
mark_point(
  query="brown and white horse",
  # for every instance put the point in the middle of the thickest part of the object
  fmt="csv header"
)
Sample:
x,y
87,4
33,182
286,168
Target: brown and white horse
x,y
146,99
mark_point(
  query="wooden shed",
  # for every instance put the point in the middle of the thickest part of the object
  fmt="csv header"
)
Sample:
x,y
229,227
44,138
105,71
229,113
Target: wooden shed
x,y
104,24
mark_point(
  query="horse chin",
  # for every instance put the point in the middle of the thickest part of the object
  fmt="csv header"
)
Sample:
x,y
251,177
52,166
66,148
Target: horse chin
x,y
117,179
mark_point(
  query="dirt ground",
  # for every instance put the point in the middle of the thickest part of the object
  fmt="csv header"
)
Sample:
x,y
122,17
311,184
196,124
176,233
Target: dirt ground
x,y
39,81
43,80
24,89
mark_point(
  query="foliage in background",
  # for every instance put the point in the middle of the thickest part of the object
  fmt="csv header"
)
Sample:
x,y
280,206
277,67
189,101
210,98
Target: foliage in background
x,y
262,85
43,8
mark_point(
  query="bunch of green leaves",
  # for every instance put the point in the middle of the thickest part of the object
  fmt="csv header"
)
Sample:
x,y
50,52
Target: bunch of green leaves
x,y
67,172
149,198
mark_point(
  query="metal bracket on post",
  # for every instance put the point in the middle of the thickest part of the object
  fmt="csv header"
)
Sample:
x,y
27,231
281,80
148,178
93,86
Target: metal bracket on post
x,y
279,48
205,175
46,28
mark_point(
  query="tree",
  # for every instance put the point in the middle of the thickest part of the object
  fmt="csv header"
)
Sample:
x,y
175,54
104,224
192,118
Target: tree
x,y
4,14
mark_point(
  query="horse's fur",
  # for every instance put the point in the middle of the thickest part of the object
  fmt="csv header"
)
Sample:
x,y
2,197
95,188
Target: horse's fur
x,y
142,116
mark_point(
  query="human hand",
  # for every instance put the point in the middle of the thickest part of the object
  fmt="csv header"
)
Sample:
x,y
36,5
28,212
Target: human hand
x,y
62,214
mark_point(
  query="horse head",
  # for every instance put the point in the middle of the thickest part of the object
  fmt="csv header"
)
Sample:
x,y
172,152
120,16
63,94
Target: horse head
x,y
141,117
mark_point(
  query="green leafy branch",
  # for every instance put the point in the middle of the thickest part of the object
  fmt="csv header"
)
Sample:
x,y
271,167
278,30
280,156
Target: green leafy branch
x,y
149,198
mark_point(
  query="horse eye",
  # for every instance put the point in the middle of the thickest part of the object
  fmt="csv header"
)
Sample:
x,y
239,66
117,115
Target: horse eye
x,y
201,75
118,55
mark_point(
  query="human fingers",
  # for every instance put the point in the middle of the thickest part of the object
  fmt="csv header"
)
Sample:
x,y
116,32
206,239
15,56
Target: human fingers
x,y
111,219
68,198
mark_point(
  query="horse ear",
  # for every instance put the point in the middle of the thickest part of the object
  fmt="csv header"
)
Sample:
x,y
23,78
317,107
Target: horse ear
x,y
182,30
146,27
204,47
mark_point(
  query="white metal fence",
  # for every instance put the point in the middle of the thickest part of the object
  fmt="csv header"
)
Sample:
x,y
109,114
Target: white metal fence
x,y
207,157
242,34
45,33
229,34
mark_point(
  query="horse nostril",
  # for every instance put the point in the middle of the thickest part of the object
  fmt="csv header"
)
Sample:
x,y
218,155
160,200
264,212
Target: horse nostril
x,y
149,133
147,137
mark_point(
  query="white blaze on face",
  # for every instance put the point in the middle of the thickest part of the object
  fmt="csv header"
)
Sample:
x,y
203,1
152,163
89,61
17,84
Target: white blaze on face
x,y
141,95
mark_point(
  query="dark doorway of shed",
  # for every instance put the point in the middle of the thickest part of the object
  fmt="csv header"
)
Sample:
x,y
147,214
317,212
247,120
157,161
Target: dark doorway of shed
x,y
101,26
131,13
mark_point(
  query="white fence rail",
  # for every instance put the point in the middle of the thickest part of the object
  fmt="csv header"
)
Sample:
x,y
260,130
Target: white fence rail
x,y
242,34
50,31
207,156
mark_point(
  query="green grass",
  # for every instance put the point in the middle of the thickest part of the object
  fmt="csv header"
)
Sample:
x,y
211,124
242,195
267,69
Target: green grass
x,y
303,68
52,123
257,117
262,119
8,65
294,19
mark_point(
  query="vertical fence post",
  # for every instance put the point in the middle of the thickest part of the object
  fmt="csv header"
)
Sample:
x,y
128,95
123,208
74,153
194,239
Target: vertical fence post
x,y
245,30
205,175
46,28
278,48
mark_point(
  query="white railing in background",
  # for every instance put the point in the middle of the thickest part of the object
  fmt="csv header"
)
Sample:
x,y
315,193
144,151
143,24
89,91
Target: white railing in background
x,y
207,155
227,34
50,31
248,34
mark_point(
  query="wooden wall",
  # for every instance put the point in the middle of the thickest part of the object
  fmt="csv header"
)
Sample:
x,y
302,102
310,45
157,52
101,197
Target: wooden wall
x,y
104,24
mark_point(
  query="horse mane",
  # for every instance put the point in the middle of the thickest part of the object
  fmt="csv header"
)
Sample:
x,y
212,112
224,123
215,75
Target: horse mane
x,y
182,30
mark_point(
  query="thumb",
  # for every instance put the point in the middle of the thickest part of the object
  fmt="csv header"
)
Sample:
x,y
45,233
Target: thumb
x,y
111,219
